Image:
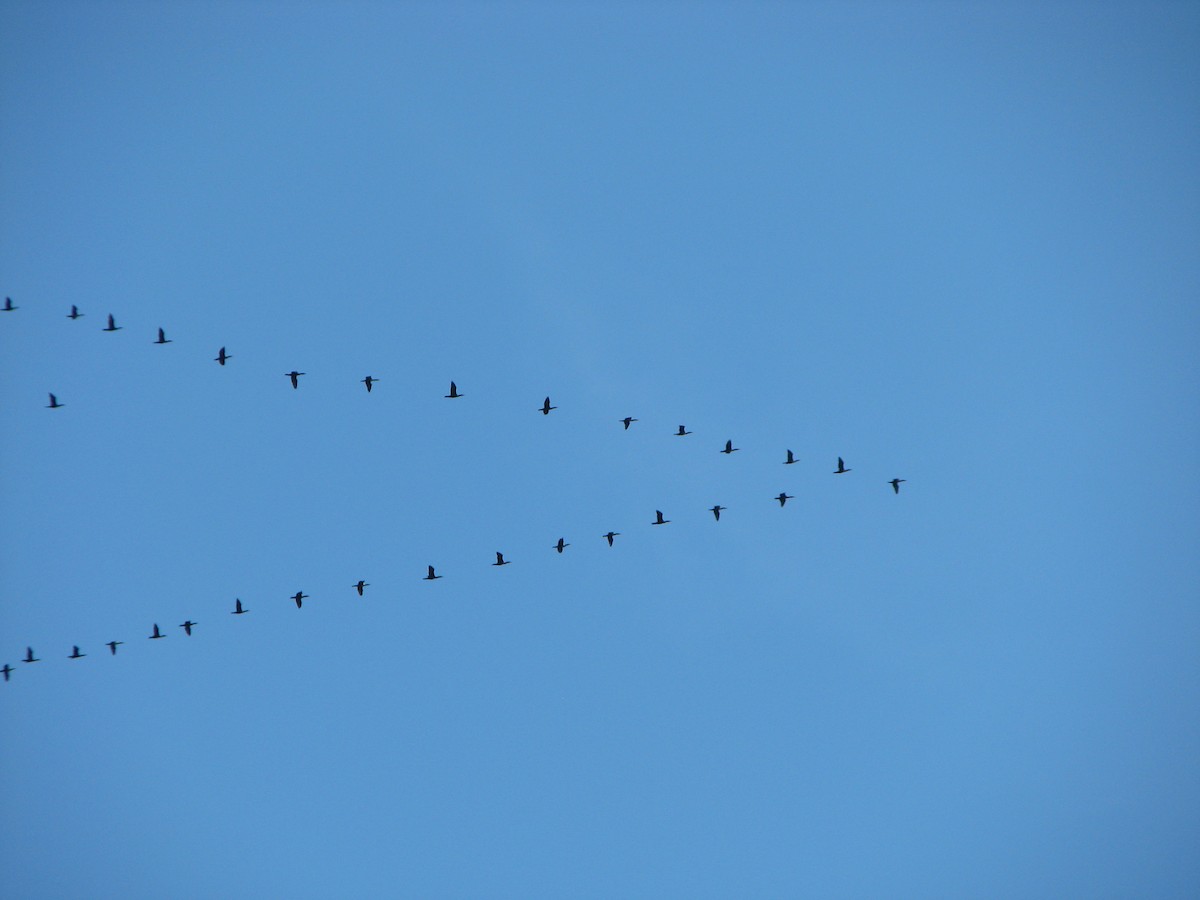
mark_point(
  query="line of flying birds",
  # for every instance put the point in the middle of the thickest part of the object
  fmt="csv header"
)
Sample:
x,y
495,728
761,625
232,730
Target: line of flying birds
x,y
431,574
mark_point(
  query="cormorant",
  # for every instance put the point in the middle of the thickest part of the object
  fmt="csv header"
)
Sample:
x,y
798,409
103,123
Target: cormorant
x,y
610,536
627,420
500,560
659,520
157,634
74,313
29,657
299,598
729,448
75,654
896,482
112,325
841,469
454,394
237,608
6,670
368,381
295,376
716,511
112,646
54,404
162,337
782,498
8,305
791,459
561,545
359,587
431,576
187,627
546,407
221,356
682,431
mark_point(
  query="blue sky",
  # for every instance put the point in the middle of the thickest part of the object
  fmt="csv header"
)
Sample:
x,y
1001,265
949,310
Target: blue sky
x,y
950,243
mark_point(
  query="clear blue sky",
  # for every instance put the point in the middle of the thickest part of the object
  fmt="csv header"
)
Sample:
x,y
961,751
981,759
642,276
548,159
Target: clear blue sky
x,y
952,243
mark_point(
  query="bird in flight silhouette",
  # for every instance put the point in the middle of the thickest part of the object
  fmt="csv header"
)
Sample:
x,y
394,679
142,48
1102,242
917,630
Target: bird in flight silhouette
x,y
896,482
295,376
359,586
682,432
561,545
658,519
54,404
500,560
75,654
74,313
368,381
716,511
729,448
782,498
8,305
237,608
157,634
162,338
187,627
221,356
299,598
610,536
112,647
112,325
454,394
628,420
546,407
29,657
790,459
431,576
841,469
7,670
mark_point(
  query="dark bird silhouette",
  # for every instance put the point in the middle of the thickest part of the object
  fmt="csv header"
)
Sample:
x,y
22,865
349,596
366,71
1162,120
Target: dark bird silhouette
x,y
561,545
790,459
29,657
431,576
75,654
112,325
368,381
162,338
782,498
157,634
658,519
716,511
682,432
221,356
112,647
8,305
546,407
74,313
500,560
841,469
359,587
454,394
628,420
896,482
187,627
237,608
295,376
729,448
6,670
54,404
610,536
299,598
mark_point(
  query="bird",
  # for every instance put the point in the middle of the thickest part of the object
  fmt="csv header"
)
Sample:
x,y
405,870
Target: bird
x,y
454,394
790,459
187,627
157,634
659,520
8,305
29,657
74,313
295,376
729,448
610,536
299,598
75,654
6,670
221,356
841,469
112,646
716,511
237,608
500,560
431,576
368,381
54,404
782,498
162,338
546,407
561,545
682,432
359,587
896,482
112,325
628,420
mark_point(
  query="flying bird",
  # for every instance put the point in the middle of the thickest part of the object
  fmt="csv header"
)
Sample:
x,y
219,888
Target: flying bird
x,y
8,305
54,404
431,576
500,560
75,654
157,634
610,536
841,469
546,407
74,313
112,646
896,482
368,381
162,338
359,587
454,394
682,432
790,459
729,448
221,356
29,657
561,545
237,608
782,498
628,420
112,325
716,511
295,376
659,520
187,627
299,598
6,670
